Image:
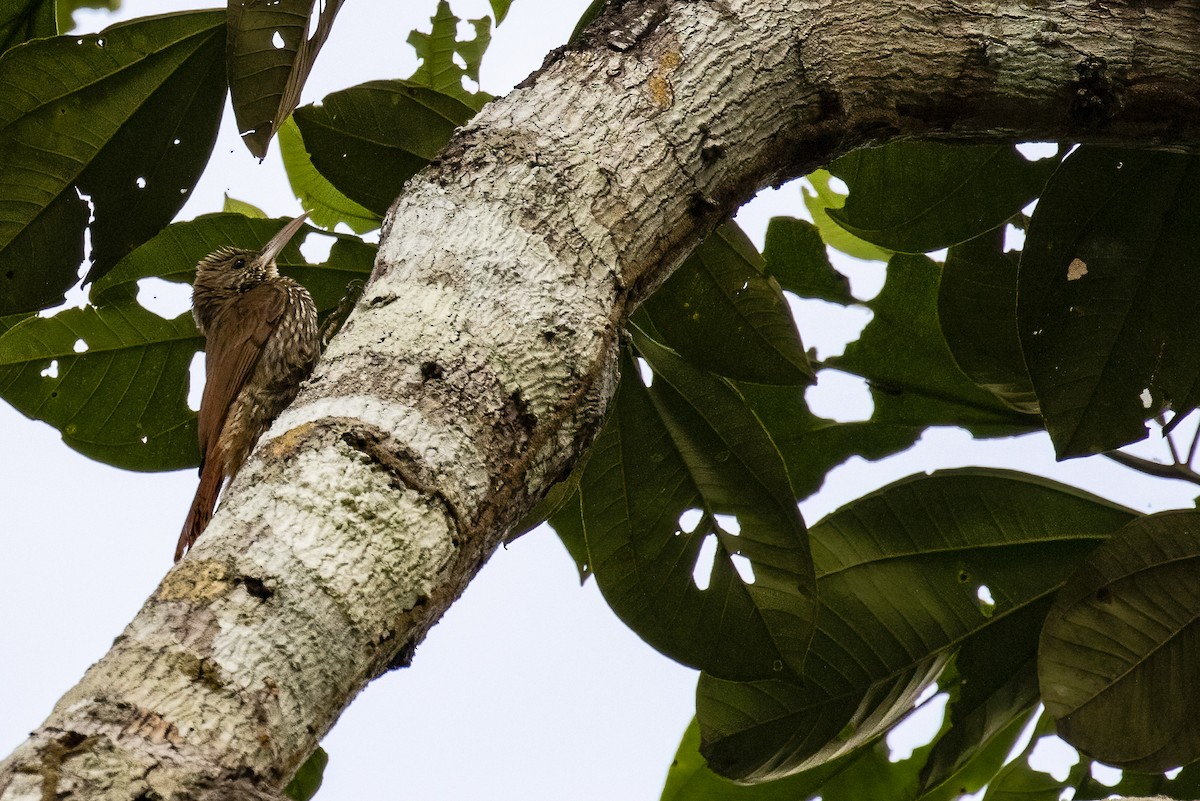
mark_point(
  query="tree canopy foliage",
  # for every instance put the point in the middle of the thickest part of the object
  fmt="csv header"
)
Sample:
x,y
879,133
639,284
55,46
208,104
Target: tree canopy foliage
x,y
1026,602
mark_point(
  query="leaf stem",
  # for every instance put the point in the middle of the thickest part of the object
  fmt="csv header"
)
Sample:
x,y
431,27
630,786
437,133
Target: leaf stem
x,y
1178,470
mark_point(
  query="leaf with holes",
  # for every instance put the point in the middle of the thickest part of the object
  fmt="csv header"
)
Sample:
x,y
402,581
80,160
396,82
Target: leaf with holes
x,y
128,118
326,205
914,197
268,57
112,380
368,140
439,50
22,20
913,377
721,311
1117,659
820,202
977,305
795,255
1106,315
173,254
688,442
898,575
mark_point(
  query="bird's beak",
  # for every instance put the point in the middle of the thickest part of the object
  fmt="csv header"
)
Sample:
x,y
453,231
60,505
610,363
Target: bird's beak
x,y
277,243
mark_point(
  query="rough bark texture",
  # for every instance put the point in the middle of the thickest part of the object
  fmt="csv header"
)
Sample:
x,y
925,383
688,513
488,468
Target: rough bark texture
x,y
481,357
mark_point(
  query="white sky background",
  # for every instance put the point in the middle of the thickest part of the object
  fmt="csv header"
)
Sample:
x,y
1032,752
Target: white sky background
x,y
529,688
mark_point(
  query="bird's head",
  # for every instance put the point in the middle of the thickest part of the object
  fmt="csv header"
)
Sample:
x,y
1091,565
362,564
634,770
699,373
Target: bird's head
x,y
239,269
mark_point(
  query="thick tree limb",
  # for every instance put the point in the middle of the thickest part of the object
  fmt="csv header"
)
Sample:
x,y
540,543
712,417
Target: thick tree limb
x,y
481,357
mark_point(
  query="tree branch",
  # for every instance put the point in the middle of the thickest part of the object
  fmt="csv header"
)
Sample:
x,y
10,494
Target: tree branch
x,y
478,363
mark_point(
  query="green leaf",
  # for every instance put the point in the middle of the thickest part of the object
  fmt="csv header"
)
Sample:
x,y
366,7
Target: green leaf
x,y
994,693
977,309
689,779
1107,317
307,781
22,20
123,401
1017,781
811,446
326,205
500,9
767,730
898,575
66,10
819,203
688,442
269,55
235,206
914,197
1117,663
437,51
795,255
723,313
127,117
913,377
567,522
368,140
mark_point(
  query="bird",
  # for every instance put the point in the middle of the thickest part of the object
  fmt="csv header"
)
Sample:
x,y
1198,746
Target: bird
x,y
261,343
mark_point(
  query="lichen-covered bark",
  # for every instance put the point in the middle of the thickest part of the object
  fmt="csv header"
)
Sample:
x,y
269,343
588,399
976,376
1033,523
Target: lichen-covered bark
x,y
479,361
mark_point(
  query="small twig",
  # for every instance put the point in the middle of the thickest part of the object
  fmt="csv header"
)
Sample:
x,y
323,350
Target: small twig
x,y
1178,471
1192,450
1169,436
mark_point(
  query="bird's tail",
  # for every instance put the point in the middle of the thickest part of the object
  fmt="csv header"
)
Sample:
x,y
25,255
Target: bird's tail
x,y
211,475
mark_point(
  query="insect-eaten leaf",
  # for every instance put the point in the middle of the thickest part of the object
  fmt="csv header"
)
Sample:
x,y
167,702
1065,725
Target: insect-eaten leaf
x,y
1106,316
899,577
269,55
690,525
106,133
914,197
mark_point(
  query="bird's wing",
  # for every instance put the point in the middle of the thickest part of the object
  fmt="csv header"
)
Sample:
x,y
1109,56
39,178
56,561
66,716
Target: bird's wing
x,y
234,344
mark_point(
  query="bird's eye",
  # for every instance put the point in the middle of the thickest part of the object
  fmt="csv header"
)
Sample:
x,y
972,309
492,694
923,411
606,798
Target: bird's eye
x,y
239,263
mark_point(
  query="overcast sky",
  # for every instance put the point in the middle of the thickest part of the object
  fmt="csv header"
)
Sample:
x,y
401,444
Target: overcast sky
x,y
529,688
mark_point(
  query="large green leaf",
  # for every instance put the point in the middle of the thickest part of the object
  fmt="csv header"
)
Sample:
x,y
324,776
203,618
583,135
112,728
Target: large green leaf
x,y
128,118
326,205
795,255
22,20
1119,663
1106,303
440,50
994,692
369,139
722,312
268,57
118,387
123,400
914,196
977,309
899,576
689,442
912,374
